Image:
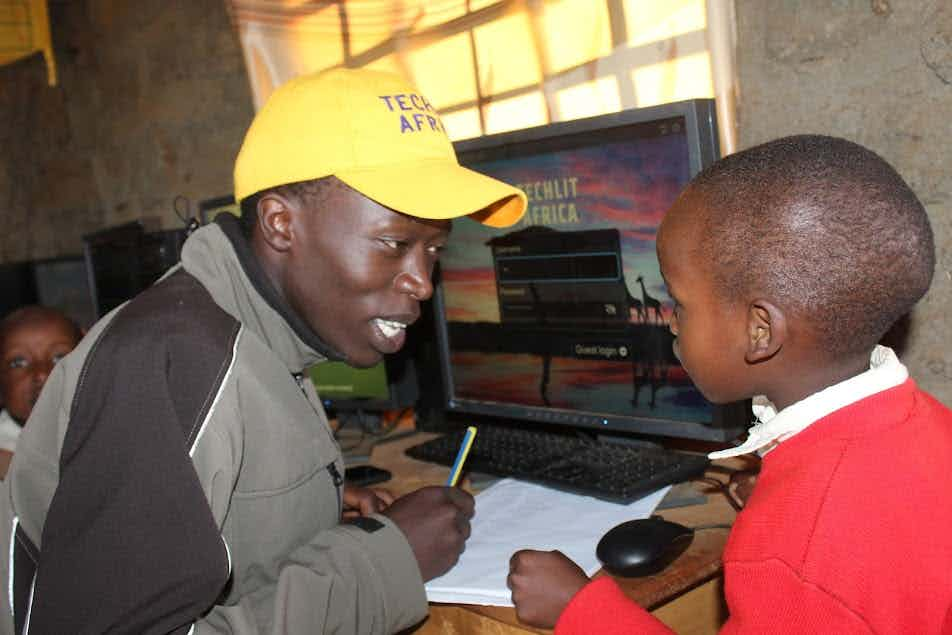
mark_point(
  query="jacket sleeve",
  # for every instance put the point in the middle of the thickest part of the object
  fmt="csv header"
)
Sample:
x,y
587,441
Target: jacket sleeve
x,y
151,559
337,583
129,543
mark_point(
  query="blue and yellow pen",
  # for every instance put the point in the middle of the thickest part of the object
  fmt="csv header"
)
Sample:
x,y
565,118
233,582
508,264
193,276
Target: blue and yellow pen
x,y
461,456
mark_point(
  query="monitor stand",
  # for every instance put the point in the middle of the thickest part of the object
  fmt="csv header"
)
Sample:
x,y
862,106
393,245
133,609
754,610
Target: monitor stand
x,y
363,420
356,433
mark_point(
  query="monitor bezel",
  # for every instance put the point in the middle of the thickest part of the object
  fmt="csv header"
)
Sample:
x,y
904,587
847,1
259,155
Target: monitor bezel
x,y
729,420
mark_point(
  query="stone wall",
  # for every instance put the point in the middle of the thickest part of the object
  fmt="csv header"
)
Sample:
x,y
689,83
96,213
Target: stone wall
x,y
152,103
878,72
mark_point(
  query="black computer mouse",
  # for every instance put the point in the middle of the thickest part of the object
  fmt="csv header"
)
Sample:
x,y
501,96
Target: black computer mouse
x,y
642,547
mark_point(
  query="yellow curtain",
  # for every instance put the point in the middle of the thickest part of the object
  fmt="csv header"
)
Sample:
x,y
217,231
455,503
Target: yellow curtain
x,y
24,30
491,65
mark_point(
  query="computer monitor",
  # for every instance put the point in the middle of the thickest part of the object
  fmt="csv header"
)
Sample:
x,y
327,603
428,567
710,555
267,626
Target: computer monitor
x,y
563,318
123,260
390,385
363,394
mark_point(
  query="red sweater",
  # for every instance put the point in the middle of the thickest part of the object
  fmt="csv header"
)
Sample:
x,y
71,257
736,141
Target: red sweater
x,y
849,530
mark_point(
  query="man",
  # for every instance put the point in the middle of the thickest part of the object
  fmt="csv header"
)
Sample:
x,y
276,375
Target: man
x,y
178,473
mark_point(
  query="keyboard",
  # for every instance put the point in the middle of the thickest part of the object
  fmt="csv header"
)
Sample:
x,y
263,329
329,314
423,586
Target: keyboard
x,y
610,471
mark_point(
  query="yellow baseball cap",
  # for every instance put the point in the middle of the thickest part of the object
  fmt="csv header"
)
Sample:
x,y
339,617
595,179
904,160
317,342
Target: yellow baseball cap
x,y
377,134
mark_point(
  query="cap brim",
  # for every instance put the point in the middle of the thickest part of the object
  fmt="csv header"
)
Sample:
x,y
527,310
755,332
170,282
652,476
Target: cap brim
x,y
439,190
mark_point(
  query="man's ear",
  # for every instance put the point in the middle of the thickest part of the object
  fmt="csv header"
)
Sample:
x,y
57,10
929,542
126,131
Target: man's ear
x,y
274,221
766,330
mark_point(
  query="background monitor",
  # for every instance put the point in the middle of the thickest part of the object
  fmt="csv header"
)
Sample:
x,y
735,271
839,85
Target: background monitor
x,y
363,394
562,319
125,259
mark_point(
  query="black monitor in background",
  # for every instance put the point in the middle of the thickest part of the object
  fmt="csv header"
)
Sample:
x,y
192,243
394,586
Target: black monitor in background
x,y
561,321
125,259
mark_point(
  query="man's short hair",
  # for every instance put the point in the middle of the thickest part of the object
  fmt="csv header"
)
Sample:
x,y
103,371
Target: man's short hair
x,y
311,193
821,225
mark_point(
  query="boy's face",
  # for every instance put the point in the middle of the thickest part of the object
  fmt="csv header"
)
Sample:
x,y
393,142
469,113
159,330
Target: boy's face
x,y
27,355
709,331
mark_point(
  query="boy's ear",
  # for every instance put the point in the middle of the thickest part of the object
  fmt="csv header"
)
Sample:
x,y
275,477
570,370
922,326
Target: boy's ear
x,y
274,221
766,330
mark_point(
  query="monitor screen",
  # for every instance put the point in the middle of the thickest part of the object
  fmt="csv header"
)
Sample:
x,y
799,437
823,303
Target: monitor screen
x,y
338,382
390,385
123,260
563,318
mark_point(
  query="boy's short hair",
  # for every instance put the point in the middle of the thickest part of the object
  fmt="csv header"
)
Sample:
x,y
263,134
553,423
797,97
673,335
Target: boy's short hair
x,y
34,313
822,226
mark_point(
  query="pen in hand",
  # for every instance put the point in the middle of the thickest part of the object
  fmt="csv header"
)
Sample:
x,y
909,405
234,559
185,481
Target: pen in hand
x,y
464,447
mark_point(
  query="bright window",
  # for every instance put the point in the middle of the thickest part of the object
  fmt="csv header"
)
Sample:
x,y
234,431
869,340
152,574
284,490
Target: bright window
x,y
491,65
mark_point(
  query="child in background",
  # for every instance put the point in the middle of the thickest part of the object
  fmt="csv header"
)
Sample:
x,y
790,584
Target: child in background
x,y
787,263
32,340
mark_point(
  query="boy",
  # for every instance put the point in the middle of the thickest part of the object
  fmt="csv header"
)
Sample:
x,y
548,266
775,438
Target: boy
x,y
32,340
787,263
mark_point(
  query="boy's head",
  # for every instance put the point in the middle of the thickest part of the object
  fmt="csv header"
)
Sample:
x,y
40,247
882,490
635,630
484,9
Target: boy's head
x,y
32,340
804,250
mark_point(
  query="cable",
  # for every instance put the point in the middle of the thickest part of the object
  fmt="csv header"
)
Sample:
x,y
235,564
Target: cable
x,y
190,222
723,488
342,422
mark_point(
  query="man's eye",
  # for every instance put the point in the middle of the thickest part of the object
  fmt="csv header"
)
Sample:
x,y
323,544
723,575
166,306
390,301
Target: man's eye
x,y
18,362
393,243
436,250
58,357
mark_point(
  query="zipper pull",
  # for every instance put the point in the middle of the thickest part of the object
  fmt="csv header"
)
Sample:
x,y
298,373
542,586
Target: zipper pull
x,y
335,474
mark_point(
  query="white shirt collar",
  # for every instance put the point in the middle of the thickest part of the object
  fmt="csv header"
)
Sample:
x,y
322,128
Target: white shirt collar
x,y
6,418
885,371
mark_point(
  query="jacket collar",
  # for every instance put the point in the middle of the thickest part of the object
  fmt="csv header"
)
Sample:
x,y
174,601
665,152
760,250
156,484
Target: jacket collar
x,y
219,256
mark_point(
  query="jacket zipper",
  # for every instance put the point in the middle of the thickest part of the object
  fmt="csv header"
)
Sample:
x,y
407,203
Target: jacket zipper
x,y
331,467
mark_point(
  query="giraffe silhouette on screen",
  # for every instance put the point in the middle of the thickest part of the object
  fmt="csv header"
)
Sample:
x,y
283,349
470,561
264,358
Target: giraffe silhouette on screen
x,y
650,303
635,306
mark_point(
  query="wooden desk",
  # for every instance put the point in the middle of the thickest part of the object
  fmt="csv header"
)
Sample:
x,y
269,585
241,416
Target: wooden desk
x,y
687,595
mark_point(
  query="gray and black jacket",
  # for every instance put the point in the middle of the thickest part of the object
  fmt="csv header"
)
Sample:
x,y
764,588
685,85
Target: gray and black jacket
x,y
178,475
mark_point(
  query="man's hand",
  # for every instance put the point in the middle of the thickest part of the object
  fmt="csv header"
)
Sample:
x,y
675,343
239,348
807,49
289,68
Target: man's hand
x,y
542,584
363,501
435,521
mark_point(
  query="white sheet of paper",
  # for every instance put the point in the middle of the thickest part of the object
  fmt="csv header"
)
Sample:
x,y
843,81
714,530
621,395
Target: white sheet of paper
x,y
513,515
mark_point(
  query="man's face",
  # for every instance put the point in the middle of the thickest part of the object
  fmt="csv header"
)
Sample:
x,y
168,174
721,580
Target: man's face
x,y
28,354
709,331
357,272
